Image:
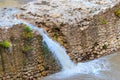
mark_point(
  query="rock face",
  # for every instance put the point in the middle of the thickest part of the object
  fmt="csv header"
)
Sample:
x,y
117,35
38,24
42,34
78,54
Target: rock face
x,y
89,31
26,57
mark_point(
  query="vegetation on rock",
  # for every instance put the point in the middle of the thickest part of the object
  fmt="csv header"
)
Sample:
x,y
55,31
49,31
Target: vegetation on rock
x,y
5,44
27,29
103,21
28,33
117,12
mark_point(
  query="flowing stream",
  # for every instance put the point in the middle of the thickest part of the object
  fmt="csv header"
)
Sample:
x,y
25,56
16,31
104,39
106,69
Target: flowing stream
x,y
106,68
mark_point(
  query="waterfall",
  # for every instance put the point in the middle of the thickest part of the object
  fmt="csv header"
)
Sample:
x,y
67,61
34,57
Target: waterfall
x,y
58,51
8,19
69,67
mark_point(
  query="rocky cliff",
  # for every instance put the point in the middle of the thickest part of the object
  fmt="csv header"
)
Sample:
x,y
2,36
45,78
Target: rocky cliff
x,y
87,29
23,55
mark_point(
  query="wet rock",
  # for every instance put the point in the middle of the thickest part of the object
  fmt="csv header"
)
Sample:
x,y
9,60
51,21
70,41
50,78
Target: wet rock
x,y
27,65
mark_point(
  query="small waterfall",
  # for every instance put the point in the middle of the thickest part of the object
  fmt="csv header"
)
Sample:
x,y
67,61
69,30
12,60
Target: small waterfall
x,y
69,67
58,51
8,19
105,68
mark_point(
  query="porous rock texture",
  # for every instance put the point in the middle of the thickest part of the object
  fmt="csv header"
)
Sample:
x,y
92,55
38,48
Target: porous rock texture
x,y
89,28
27,58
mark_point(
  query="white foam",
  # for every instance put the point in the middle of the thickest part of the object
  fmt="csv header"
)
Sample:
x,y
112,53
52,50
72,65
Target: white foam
x,y
93,67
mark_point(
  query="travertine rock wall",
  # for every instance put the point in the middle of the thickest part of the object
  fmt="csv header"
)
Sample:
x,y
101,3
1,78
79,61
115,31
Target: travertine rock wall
x,y
87,35
99,37
27,58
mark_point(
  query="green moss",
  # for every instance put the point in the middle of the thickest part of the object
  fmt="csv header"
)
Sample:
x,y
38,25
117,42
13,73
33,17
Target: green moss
x,y
5,44
28,35
117,12
103,21
27,29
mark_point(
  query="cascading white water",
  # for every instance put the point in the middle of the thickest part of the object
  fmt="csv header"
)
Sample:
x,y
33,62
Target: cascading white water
x,y
8,19
105,68
58,51
69,68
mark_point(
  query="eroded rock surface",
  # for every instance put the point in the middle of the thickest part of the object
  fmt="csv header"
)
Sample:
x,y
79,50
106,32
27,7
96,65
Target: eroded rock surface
x,y
27,58
89,28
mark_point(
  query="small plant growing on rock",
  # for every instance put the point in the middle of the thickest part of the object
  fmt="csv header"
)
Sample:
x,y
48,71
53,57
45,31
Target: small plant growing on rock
x,y
5,44
28,33
103,21
117,12
27,29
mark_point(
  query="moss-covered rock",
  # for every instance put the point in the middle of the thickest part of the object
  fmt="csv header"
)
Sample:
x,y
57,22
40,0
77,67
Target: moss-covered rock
x,y
26,57
5,44
117,12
